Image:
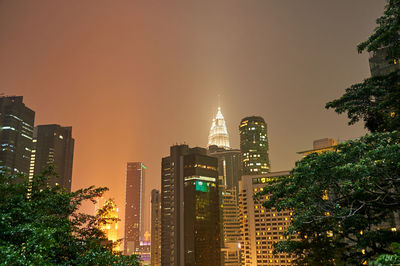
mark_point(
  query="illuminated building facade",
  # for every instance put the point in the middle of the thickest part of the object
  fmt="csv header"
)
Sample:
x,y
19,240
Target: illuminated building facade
x,y
218,133
16,134
261,228
230,226
109,225
254,146
54,145
190,229
321,145
155,228
379,65
229,172
134,202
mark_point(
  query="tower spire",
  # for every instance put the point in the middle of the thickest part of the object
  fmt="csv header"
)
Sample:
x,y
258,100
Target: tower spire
x,y
218,133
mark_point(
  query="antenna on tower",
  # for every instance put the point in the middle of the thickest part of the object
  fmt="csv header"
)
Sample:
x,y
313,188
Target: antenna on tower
x,y
219,101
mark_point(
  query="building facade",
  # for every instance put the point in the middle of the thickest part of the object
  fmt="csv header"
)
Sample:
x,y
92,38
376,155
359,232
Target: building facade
x,y
134,203
229,172
261,228
54,145
108,211
379,65
254,146
16,135
190,228
230,226
155,228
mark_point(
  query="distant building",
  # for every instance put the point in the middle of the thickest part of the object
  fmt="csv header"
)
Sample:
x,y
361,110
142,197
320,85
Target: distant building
x,y
155,228
134,207
190,229
380,65
16,134
261,228
321,145
254,146
54,145
109,225
218,133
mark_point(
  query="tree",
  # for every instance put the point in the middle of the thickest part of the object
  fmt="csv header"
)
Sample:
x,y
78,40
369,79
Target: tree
x,y
45,228
377,99
343,202
346,201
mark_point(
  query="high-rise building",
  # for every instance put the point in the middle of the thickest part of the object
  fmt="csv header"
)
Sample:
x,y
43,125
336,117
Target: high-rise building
x,y
54,145
230,226
134,207
229,165
261,227
16,134
380,65
254,146
109,223
190,229
155,228
218,133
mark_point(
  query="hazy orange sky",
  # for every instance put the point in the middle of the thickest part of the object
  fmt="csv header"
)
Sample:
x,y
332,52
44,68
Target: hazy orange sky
x,y
134,77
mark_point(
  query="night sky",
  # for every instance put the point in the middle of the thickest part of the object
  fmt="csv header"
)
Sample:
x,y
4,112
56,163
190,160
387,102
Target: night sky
x,y
134,77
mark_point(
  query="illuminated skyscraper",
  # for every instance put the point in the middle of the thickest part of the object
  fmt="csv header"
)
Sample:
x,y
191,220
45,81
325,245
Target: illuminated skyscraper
x,y
155,228
254,146
261,228
109,225
218,133
54,145
16,134
134,212
190,229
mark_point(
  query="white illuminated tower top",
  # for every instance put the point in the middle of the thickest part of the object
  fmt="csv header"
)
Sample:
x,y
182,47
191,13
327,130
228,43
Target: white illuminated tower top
x,y
218,133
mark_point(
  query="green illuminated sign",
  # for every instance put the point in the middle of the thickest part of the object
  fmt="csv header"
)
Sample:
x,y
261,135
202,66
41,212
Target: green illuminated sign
x,y
201,186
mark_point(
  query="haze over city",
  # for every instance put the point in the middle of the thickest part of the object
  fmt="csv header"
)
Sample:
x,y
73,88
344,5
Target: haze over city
x,y
134,77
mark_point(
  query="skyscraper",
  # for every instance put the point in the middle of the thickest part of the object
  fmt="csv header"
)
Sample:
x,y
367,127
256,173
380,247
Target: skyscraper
x,y
54,145
218,133
109,223
190,229
134,203
261,228
16,134
230,226
155,228
254,146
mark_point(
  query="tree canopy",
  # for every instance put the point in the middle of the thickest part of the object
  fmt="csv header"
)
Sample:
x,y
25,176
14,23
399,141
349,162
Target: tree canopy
x,y
377,99
343,202
346,202
46,228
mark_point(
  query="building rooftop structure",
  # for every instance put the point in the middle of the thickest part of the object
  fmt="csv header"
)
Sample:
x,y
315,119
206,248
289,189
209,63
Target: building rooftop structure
x,y
218,133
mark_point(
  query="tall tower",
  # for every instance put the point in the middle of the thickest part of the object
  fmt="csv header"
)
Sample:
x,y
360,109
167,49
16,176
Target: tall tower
x,y
109,223
190,229
16,133
254,146
155,228
218,133
134,203
54,145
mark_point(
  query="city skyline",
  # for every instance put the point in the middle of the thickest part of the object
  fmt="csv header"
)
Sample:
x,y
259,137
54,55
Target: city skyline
x,y
90,98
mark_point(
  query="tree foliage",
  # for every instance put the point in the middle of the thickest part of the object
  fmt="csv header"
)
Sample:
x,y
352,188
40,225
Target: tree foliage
x,y
343,202
377,99
46,228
